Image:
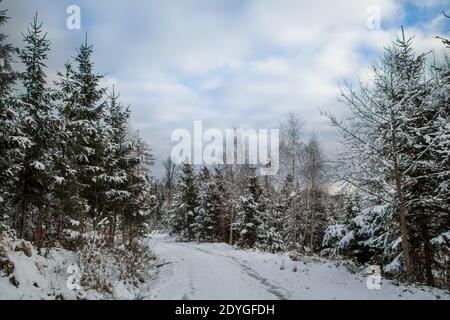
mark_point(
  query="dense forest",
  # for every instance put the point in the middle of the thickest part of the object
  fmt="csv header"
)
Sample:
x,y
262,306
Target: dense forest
x,y
73,174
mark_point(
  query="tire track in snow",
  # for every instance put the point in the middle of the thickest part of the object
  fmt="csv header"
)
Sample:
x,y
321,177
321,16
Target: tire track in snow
x,y
280,293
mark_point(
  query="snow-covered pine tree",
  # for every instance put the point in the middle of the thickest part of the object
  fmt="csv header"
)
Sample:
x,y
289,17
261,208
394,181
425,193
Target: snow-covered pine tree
x,y
182,213
248,213
12,141
208,212
38,124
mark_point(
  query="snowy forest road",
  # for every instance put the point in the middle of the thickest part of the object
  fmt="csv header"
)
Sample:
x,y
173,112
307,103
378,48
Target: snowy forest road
x,y
192,271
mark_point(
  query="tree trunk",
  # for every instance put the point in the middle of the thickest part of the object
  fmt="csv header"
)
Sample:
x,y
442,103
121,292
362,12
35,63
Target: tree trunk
x,y
293,166
402,211
311,239
40,229
404,231
312,201
231,226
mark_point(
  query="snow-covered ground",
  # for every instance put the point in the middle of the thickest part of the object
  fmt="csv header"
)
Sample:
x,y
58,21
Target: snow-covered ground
x,y
34,277
218,271
200,271
26,275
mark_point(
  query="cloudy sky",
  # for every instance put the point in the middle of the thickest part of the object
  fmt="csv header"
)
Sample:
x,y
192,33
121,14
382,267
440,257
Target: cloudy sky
x,y
230,62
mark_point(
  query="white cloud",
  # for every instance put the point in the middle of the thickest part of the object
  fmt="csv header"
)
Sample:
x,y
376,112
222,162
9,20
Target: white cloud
x,y
226,62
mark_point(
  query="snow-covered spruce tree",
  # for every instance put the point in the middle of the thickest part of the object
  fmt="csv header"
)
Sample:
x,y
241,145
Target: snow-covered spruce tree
x,y
83,114
248,212
226,202
38,125
182,213
118,162
90,104
422,134
12,141
391,129
362,231
439,223
141,204
353,205
369,143
290,202
66,189
8,76
80,157
208,212
424,138
272,220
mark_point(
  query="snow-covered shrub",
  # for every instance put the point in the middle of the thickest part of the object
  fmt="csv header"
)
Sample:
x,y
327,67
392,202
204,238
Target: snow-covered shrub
x,y
97,268
104,268
6,266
